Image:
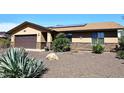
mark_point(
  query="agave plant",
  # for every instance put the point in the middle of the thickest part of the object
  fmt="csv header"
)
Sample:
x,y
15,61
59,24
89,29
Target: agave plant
x,y
15,63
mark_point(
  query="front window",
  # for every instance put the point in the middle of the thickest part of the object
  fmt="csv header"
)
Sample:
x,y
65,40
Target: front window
x,y
97,38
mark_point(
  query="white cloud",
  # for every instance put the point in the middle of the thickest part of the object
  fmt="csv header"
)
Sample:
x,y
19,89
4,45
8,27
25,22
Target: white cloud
x,y
7,26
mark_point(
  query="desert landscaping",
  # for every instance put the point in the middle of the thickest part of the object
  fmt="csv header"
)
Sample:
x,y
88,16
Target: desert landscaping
x,y
82,65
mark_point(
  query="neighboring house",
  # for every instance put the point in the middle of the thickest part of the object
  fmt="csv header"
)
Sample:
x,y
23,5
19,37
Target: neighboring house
x,y
3,35
29,35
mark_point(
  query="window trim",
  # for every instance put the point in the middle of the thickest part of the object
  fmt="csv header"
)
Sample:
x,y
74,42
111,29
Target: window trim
x,y
97,39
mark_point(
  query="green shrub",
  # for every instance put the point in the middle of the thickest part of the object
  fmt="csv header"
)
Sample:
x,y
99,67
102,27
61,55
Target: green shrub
x,y
98,49
121,43
120,54
61,43
15,63
4,43
60,35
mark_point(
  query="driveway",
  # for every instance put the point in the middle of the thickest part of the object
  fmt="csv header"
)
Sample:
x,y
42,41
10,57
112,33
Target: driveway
x,y
82,64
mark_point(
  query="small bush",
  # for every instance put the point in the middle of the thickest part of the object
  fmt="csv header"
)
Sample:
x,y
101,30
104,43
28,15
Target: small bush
x,y
121,43
120,54
4,43
15,63
98,49
61,43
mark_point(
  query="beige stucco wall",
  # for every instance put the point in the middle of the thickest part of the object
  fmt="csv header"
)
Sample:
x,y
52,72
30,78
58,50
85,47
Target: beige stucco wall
x,y
82,40
111,40
89,40
28,31
110,37
49,37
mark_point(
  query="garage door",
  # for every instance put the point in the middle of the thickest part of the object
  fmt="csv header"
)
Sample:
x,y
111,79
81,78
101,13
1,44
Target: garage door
x,y
26,41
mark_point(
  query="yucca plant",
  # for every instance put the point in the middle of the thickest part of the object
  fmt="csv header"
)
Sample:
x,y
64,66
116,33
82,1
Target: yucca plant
x,y
15,63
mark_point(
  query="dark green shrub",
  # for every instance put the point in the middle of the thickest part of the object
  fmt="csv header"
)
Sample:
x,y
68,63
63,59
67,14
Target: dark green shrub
x,y
15,63
60,35
121,43
61,43
120,54
98,49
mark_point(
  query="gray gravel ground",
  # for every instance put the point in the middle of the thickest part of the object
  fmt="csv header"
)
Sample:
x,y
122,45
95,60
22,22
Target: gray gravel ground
x,y
82,65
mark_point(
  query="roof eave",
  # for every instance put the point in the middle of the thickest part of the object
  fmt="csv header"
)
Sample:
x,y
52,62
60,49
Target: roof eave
x,y
28,23
87,29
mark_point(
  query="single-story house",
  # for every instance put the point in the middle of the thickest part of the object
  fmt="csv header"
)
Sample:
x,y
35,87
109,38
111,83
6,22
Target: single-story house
x,y
30,35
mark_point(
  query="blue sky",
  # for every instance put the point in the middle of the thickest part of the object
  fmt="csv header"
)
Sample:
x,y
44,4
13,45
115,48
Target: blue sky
x,y
8,21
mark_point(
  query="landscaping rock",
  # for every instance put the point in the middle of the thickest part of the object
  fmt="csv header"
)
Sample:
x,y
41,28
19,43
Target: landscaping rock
x,y
52,56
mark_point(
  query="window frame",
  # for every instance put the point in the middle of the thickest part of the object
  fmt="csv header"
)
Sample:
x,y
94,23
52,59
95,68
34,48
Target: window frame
x,y
97,39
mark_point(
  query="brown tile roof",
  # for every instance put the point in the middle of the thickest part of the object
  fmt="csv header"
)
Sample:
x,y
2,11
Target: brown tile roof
x,y
90,26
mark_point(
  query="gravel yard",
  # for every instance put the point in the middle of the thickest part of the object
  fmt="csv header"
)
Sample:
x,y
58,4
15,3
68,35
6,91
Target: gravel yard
x,y
81,65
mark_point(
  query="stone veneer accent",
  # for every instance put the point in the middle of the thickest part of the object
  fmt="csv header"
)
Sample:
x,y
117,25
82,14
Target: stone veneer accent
x,y
110,46
40,45
88,46
49,44
81,46
75,46
43,44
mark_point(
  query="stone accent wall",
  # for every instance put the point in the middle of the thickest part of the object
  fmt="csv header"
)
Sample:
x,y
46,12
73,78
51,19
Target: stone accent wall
x,y
81,46
43,44
88,46
49,45
40,45
110,46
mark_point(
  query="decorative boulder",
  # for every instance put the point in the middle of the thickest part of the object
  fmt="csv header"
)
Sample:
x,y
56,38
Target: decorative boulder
x,y
52,56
